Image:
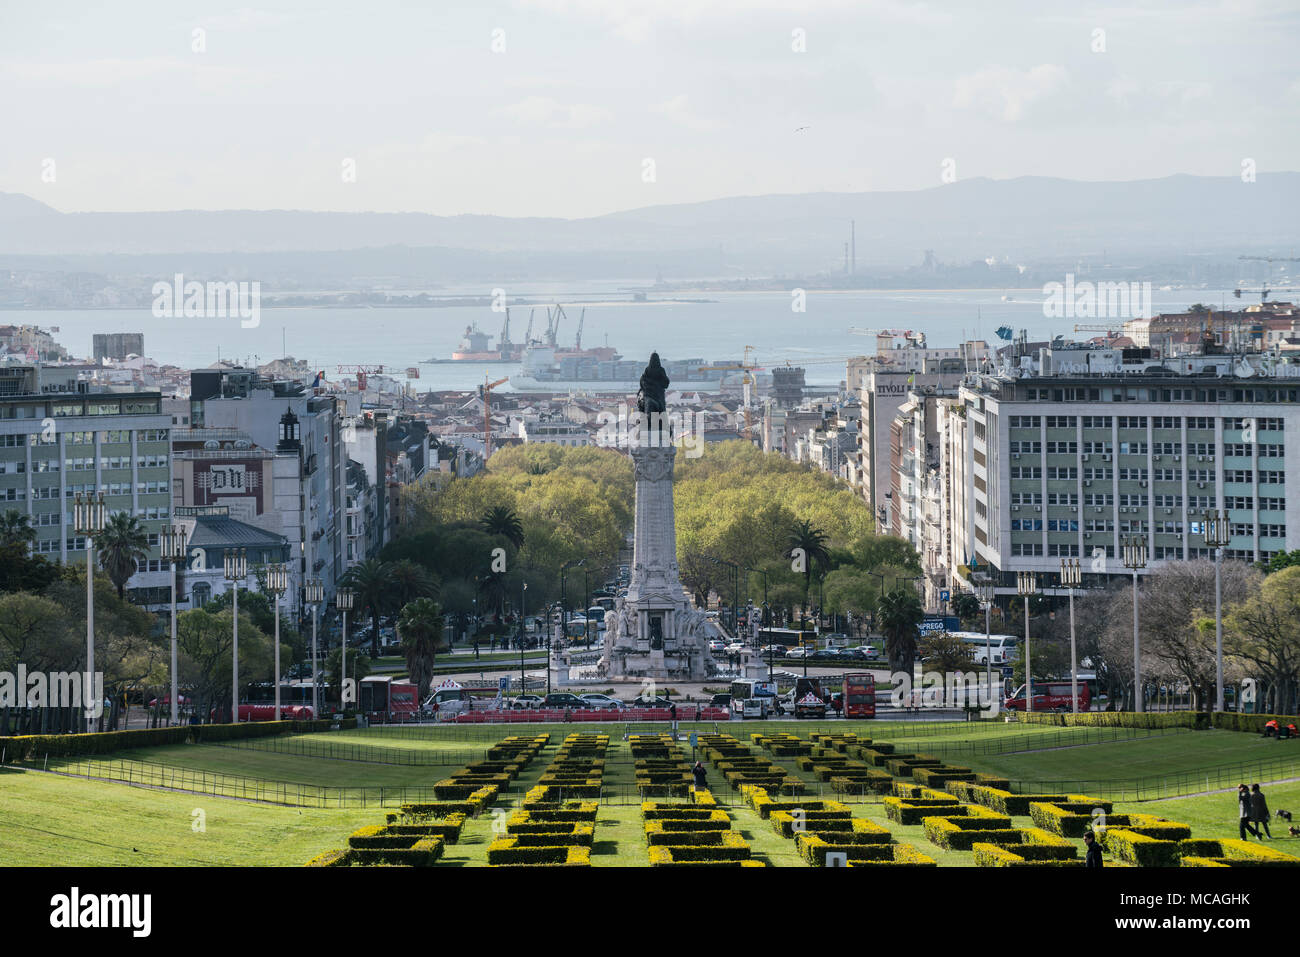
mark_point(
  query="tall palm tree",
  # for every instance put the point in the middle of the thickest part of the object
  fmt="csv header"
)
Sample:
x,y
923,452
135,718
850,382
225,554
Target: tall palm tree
x,y
899,621
122,545
412,580
371,582
502,520
16,528
811,543
492,586
420,623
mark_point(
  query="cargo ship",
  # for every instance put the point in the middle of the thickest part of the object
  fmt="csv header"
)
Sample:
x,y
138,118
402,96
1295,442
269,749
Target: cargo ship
x,y
474,346
546,370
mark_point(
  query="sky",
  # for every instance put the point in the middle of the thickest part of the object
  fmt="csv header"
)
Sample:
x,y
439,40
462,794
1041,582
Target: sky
x,y
576,108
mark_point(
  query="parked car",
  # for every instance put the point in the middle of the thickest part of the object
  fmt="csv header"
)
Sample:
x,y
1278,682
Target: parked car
x,y
778,650
798,653
650,703
596,700
720,701
526,701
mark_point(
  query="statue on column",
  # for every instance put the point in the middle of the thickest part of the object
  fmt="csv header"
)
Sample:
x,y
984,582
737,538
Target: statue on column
x,y
652,397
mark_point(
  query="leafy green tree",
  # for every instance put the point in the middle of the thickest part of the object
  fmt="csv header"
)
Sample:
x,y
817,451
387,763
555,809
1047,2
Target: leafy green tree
x,y
967,607
411,581
899,621
22,571
372,583
502,521
16,528
420,624
121,546
359,667
945,653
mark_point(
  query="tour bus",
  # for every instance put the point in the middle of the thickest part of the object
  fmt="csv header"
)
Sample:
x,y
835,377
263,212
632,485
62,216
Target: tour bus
x,y
860,695
751,698
1001,647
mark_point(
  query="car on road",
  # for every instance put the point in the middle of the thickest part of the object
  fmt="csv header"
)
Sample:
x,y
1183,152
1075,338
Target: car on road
x,y
596,700
526,701
798,653
778,650
735,648
564,699
716,645
720,701
650,703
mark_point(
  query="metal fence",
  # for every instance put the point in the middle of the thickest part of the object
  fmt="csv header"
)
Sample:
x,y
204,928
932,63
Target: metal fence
x,y
314,747
1168,785
1046,741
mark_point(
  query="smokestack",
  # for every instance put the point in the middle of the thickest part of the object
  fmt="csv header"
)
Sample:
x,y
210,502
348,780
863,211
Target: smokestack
x,y
853,244
846,257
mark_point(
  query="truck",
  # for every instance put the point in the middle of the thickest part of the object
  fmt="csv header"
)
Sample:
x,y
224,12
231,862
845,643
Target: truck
x,y
1050,695
385,700
449,699
809,698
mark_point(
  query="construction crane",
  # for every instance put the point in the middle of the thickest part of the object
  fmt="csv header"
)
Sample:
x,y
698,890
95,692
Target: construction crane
x,y
361,372
747,368
486,392
577,340
528,334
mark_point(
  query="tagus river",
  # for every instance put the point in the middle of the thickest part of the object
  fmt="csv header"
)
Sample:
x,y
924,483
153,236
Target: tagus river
x,y
717,330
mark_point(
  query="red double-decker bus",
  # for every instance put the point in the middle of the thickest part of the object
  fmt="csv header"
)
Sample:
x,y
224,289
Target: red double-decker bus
x,y
859,696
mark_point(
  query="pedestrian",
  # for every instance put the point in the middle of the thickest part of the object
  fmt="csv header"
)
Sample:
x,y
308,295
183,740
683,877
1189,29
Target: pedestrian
x,y
1244,812
1259,811
568,715
1093,857
476,648
701,782
492,644
672,716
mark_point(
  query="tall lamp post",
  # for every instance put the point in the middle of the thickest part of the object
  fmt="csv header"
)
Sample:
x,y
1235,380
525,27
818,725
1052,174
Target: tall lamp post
x,y
1026,588
173,553
523,600
763,622
314,594
1135,558
343,601
1072,578
88,520
1216,537
236,570
985,589
564,596
277,580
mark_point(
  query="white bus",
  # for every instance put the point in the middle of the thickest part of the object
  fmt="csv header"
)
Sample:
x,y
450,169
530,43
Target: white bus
x,y
1002,648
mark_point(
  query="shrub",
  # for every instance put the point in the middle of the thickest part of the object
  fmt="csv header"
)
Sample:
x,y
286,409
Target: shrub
x,y
730,847
1231,721
1232,852
336,858
1017,855
1121,719
422,853
506,851
668,857
1139,849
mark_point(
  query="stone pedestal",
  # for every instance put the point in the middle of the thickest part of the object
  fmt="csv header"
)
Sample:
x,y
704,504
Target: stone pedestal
x,y
655,632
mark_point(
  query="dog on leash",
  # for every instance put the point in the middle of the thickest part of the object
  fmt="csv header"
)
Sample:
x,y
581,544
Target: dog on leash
x,y
1295,831
1283,815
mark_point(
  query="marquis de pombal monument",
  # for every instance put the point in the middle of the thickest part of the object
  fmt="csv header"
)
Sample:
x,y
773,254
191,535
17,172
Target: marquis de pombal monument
x,y
655,632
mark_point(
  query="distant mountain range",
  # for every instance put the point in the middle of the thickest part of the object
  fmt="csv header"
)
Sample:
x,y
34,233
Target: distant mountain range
x,y
1028,218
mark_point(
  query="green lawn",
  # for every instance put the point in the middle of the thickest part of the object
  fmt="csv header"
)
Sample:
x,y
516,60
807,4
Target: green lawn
x,y
1215,815
47,820
1144,768
272,766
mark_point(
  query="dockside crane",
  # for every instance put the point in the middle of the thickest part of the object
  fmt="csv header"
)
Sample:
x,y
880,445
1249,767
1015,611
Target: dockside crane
x,y
361,372
485,391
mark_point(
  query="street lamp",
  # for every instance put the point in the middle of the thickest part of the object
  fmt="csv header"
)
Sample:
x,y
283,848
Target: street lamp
x,y
236,570
314,595
763,622
523,599
1027,587
277,580
173,553
88,519
1135,558
343,601
986,592
564,596
1072,578
1216,537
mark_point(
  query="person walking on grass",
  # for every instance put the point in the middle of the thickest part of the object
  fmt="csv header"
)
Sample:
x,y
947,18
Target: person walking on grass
x,y
1259,811
1244,813
1093,857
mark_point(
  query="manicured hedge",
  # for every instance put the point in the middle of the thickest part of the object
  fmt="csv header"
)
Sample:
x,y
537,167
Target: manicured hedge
x,y
1157,720
1068,818
861,830
21,747
814,849
422,853
335,858
731,847
788,824
506,851
1018,855
670,857
1138,849
1232,852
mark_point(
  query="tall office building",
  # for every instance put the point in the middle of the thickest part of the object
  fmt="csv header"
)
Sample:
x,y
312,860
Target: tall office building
x,y
58,439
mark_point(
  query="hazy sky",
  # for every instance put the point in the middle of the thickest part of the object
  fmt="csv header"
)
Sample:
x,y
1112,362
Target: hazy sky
x,y
561,121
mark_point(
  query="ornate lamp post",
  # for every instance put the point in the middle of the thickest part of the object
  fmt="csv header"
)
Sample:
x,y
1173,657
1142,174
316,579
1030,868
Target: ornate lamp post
x,y
88,519
314,594
1026,588
277,580
236,570
1135,558
1216,537
1072,578
985,589
343,601
173,553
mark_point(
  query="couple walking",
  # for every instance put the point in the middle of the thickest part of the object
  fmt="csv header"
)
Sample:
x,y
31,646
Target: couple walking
x,y
1253,811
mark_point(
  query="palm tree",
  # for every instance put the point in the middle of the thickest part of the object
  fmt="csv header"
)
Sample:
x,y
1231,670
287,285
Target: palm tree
x,y
502,520
809,542
420,623
16,529
371,582
122,545
412,580
900,620
493,588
